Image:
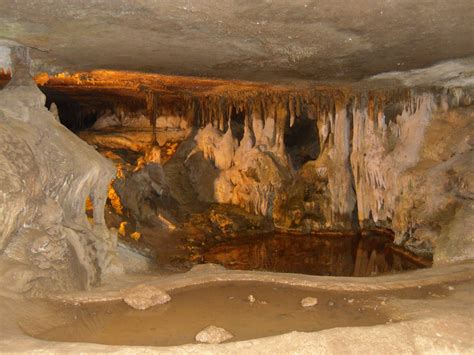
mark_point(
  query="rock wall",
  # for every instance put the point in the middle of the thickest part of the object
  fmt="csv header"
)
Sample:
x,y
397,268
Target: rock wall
x,y
46,175
122,118
123,129
409,178
384,161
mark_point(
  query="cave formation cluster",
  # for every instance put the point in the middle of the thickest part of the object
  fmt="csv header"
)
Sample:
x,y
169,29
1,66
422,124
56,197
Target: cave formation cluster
x,y
399,159
374,160
380,163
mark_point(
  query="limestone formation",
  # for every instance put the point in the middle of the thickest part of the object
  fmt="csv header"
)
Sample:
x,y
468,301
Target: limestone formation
x,y
376,161
329,137
375,158
46,175
248,176
380,164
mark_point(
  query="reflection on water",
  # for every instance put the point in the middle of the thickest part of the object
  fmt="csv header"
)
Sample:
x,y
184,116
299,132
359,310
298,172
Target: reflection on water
x,y
365,254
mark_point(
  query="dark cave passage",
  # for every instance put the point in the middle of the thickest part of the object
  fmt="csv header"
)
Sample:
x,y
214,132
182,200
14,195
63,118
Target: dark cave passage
x,y
302,141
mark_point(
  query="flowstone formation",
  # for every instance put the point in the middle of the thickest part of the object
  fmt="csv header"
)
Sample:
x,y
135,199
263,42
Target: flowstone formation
x,y
383,162
248,176
46,175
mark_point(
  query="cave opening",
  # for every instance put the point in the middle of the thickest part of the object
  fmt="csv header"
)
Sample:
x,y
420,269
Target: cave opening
x,y
302,141
237,123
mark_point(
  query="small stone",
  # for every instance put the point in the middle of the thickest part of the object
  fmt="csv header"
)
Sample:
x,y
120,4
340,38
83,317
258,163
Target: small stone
x,y
251,298
144,296
450,288
309,302
331,304
213,335
350,301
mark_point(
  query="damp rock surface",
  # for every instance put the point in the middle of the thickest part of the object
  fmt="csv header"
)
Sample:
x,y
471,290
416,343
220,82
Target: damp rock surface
x,y
223,306
213,335
145,296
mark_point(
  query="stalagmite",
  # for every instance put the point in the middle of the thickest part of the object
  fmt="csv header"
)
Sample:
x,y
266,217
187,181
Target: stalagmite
x,y
268,134
49,173
224,151
245,145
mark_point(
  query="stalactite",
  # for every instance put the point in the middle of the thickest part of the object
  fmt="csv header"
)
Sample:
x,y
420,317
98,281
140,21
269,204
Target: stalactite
x,y
322,124
291,109
268,134
340,181
298,106
257,123
202,114
281,116
376,170
152,102
222,109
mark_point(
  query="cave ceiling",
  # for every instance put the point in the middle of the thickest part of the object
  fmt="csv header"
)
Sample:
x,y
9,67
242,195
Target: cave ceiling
x,y
272,41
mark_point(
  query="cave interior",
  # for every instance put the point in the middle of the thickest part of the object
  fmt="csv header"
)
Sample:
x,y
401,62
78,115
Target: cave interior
x,y
190,159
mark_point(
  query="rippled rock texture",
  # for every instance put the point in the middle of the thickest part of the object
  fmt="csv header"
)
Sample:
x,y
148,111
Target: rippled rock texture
x,y
46,175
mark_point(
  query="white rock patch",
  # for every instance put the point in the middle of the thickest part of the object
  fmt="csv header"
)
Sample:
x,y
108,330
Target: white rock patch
x,y
309,302
144,296
213,335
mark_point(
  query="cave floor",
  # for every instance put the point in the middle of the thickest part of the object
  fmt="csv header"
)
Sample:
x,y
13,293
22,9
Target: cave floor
x,y
440,322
